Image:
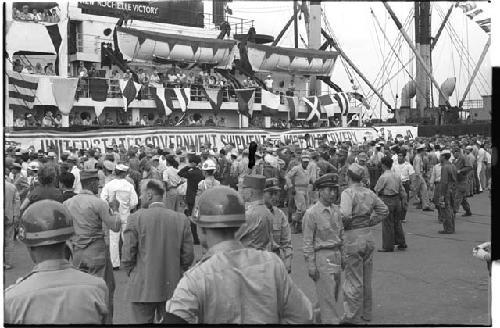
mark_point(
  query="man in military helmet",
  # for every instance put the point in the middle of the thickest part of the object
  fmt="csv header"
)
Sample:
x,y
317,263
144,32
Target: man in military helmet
x,y
323,233
91,215
257,230
53,292
210,292
357,205
282,238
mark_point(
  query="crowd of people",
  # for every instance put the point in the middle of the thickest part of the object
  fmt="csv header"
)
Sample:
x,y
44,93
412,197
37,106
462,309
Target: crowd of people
x,y
25,13
241,205
20,67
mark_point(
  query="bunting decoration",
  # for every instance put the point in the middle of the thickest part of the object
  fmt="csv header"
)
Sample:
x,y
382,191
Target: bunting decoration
x,y
98,107
329,105
246,98
342,99
98,89
44,93
312,106
480,15
55,37
22,90
64,93
293,107
162,97
129,90
359,97
214,96
184,97
270,103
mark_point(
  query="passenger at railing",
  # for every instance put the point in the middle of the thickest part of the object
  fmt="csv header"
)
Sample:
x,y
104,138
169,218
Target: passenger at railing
x,y
46,14
154,77
212,82
24,14
210,121
95,121
269,83
127,75
28,69
86,120
29,120
82,71
221,123
144,120
182,78
54,18
58,121
38,69
18,66
48,120
190,78
37,17
93,71
108,120
19,122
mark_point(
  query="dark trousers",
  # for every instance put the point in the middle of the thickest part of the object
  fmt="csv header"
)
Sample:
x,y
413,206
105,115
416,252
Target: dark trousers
x,y
188,212
447,215
392,229
461,198
404,209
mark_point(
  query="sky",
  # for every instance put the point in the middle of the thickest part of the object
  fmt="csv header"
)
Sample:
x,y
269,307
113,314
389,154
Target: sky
x,y
364,43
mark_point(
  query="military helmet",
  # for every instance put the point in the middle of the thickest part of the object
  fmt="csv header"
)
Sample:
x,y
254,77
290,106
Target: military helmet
x,y
220,207
45,222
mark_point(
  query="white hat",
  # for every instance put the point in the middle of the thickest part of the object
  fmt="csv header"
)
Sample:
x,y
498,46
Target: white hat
x,y
209,165
421,146
121,167
446,151
33,166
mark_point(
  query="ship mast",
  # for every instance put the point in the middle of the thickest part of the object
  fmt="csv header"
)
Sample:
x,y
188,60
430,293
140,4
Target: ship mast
x,y
423,41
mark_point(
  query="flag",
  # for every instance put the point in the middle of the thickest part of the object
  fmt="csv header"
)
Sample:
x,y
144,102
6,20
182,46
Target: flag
x,y
184,97
329,105
55,37
246,98
44,94
270,103
98,89
355,117
312,106
214,96
343,101
359,97
129,89
162,97
22,90
293,107
64,90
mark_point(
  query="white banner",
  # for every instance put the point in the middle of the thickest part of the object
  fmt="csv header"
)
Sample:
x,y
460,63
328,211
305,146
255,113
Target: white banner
x,y
185,137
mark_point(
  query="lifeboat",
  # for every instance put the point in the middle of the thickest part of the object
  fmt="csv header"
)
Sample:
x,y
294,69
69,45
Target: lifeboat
x,y
146,46
297,61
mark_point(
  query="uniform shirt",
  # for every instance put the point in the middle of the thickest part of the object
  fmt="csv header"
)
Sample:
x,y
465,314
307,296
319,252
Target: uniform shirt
x,y
11,202
157,248
448,177
389,184
322,229
237,285
42,192
357,204
124,192
171,177
90,164
207,183
77,185
256,232
89,213
56,293
418,165
404,171
481,157
365,178
298,176
313,171
282,236
436,174
462,169
326,167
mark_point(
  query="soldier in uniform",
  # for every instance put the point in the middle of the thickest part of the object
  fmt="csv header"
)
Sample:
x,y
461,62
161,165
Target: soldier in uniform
x,y
323,232
362,159
258,228
298,179
282,237
463,167
357,206
53,292
210,292
91,218
447,186
390,189
420,184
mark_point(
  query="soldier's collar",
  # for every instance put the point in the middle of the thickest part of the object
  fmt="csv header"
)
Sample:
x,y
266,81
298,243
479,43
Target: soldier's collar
x,y
52,265
224,246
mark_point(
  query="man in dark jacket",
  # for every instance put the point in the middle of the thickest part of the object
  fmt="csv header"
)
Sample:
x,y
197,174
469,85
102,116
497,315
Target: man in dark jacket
x,y
194,175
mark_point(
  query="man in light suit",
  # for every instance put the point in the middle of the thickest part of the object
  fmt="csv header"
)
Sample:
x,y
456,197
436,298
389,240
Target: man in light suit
x,y
12,203
157,249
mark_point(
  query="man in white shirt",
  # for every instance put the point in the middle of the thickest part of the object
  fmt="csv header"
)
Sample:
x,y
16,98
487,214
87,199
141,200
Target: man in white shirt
x,y
481,168
123,191
405,171
77,185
